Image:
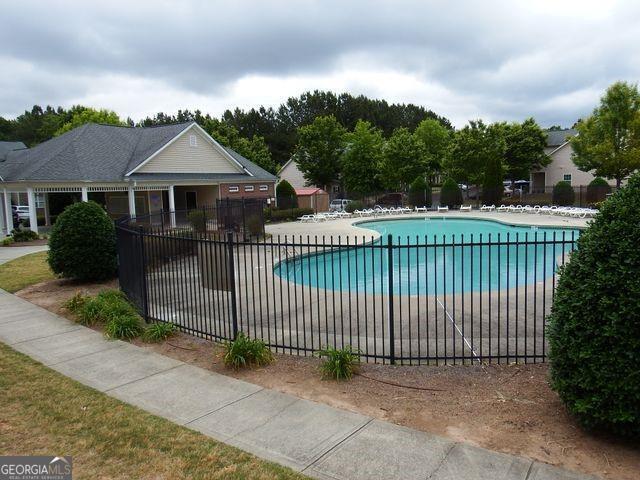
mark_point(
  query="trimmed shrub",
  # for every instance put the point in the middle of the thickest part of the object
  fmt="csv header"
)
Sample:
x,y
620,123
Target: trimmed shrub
x,y
597,190
23,235
286,195
353,206
420,193
158,332
198,220
7,241
76,303
244,352
340,364
563,194
450,194
254,225
278,215
594,326
492,187
82,244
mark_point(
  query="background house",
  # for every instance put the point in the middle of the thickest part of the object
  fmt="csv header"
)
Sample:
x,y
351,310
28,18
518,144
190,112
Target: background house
x,y
561,167
292,174
129,170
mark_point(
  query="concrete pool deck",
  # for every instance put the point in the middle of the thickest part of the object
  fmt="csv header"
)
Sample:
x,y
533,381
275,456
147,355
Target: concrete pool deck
x,y
348,228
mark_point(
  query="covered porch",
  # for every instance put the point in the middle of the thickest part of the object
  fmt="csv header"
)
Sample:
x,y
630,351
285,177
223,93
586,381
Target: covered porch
x,y
45,202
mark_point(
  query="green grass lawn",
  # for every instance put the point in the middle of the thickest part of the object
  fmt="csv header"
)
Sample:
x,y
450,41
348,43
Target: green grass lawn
x,y
24,271
45,413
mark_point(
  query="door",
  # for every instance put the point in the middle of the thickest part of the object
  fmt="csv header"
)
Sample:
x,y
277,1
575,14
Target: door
x,y
191,200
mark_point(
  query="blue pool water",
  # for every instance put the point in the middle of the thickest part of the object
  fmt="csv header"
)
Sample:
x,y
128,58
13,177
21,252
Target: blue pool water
x,y
436,256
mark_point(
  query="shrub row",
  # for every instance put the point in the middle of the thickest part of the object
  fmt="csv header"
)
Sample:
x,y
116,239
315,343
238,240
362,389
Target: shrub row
x,y
119,317
282,215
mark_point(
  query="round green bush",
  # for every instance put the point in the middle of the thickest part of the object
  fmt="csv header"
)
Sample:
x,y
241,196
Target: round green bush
x,y
82,244
286,195
594,326
597,190
420,193
450,194
563,194
492,186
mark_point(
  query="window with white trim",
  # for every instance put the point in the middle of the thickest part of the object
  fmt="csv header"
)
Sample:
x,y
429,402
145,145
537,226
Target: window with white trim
x,y
193,141
234,189
248,188
264,188
567,178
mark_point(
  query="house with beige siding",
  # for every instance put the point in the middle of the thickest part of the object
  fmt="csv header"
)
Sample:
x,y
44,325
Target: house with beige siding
x,y
292,174
130,170
561,167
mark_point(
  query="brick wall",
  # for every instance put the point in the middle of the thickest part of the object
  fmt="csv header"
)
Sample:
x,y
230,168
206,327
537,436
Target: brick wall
x,y
243,193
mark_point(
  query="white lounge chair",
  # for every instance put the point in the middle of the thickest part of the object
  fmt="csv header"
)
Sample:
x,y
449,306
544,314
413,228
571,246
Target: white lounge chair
x,y
307,218
465,208
502,208
420,209
487,208
443,209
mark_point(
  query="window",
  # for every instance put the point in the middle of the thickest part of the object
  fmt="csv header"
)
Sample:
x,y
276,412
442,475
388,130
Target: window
x,y
193,141
248,188
567,178
264,188
336,188
234,189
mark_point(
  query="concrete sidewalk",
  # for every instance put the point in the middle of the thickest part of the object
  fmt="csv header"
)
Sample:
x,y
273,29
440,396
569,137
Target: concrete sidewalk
x,y
10,253
318,440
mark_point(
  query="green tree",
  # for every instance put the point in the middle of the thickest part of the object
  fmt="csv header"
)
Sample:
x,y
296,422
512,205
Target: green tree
x,y
320,147
436,142
90,115
286,195
450,194
361,159
525,143
475,148
254,148
403,160
609,140
492,187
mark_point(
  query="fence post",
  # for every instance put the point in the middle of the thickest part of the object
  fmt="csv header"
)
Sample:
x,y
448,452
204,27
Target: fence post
x,y
145,305
392,337
232,285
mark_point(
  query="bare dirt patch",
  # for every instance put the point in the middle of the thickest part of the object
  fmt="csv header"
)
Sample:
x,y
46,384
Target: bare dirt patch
x,y
508,408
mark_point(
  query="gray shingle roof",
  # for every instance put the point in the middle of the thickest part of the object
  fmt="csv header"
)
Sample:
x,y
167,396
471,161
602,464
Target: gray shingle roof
x,y
100,153
555,138
6,147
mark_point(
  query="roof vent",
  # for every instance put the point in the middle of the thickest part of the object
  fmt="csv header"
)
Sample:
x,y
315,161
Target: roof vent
x,y
193,141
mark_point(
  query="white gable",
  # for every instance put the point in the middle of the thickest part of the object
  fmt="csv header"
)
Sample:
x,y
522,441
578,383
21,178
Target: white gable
x,y
191,152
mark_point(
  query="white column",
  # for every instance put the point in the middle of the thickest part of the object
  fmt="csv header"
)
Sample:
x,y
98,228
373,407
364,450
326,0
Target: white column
x,y
172,207
85,194
33,214
47,216
132,202
8,214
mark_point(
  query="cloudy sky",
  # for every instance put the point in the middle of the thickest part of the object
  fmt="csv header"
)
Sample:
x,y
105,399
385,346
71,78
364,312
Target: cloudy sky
x,y
490,59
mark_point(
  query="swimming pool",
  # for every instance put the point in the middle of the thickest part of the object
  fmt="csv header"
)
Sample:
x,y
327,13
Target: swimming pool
x,y
435,256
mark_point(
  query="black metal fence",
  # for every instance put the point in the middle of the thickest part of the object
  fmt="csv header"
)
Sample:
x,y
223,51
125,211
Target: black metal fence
x,y
396,300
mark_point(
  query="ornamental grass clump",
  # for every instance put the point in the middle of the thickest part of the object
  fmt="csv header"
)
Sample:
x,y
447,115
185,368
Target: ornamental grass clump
x,y
245,352
594,326
339,364
158,332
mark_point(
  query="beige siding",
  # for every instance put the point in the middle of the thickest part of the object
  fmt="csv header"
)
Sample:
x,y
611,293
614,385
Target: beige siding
x,y
181,157
562,164
292,174
206,195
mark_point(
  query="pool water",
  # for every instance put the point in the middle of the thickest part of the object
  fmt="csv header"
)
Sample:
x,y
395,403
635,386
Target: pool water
x,y
436,256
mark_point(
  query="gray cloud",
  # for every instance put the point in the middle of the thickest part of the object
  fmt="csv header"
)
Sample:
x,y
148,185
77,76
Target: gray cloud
x,y
498,60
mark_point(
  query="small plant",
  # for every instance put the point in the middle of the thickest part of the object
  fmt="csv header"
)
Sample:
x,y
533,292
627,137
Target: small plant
x,y
563,194
104,307
124,327
340,364
353,206
158,332
244,352
76,303
23,235
198,220
7,241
